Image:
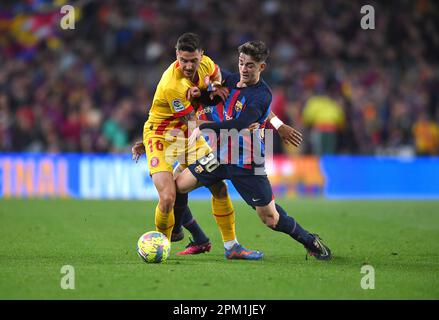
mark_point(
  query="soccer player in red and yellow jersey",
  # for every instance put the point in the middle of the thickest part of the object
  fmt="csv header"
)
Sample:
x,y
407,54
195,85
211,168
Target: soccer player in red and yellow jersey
x,y
165,137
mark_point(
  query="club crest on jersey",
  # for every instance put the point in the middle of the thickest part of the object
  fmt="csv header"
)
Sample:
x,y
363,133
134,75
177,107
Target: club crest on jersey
x,y
199,169
178,105
238,106
154,162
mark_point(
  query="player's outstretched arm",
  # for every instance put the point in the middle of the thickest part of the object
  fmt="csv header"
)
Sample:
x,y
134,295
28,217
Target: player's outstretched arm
x,y
288,134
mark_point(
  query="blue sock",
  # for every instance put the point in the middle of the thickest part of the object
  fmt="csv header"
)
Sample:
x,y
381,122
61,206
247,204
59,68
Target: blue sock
x,y
183,216
191,224
290,226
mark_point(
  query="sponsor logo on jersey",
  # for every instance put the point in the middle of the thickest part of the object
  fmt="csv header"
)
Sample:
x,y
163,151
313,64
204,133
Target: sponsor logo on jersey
x,y
204,111
178,105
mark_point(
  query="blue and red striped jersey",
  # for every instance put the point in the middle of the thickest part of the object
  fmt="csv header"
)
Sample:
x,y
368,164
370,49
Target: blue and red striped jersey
x,y
242,107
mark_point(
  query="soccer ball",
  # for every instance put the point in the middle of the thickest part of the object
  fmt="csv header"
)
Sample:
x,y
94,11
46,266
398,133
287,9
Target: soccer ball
x,y
153,247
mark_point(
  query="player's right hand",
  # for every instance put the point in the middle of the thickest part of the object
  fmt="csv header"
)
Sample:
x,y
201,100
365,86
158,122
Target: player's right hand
x,y
137,150
193,92
290,135
220,91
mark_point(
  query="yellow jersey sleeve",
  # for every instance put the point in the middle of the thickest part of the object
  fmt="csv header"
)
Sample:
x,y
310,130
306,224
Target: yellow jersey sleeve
x,y
212,68
207,67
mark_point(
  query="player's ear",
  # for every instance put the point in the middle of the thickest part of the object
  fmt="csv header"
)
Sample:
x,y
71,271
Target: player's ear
x,y
262,66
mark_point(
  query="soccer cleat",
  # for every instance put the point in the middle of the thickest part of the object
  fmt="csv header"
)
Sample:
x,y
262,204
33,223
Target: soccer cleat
x,y
319,250
175,237
193,248
239,252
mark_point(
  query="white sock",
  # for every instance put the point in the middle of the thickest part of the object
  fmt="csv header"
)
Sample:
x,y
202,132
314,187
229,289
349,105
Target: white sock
x,y
229,244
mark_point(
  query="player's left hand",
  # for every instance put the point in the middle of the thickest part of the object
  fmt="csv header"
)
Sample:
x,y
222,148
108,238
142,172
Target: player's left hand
x,y
216,89
194,136
290,135
137,150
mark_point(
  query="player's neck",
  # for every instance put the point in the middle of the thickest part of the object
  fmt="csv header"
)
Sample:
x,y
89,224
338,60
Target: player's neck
x,y
195,78
242,84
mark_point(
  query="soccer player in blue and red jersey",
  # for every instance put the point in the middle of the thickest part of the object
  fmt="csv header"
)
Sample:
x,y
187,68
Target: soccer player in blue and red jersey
x,y
248,103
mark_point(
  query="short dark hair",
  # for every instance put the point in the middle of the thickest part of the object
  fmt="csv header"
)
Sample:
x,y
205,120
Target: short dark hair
x,y
255,49
188,42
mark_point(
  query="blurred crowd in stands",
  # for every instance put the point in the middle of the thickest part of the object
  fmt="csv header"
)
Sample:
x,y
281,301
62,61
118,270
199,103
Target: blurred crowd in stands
x,y
349,90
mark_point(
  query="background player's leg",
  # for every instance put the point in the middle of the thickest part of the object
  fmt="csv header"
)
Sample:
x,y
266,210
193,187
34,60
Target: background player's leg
x,y
164,214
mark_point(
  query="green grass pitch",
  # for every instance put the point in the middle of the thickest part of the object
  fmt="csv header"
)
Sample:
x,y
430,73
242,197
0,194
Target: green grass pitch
x,y
400,239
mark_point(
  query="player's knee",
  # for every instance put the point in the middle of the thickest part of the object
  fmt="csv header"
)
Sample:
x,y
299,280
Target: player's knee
x,y
166,201
181,185
219,190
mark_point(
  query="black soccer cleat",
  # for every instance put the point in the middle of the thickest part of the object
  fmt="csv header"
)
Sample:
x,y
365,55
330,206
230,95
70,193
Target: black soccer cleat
x,y
318,249
175,237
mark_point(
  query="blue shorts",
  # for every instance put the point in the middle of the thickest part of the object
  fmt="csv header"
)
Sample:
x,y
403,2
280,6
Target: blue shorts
x,y
254,189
